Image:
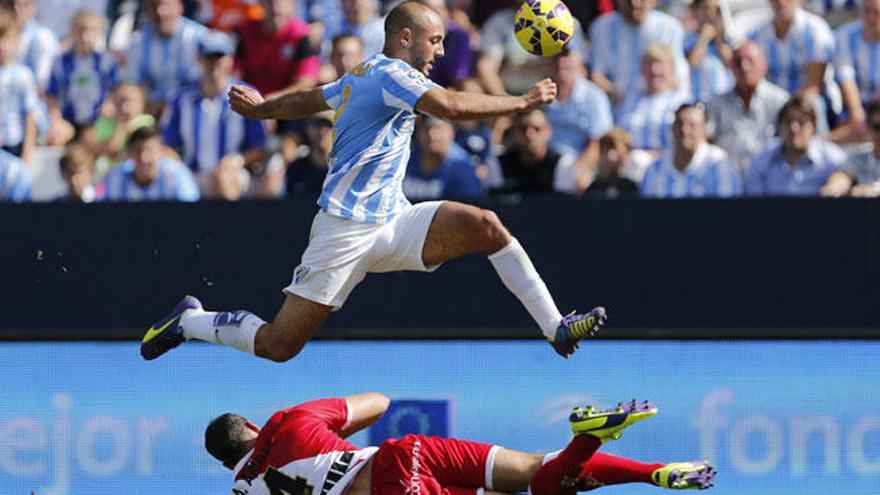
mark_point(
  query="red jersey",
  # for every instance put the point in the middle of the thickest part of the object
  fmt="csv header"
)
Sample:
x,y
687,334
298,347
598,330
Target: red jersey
x,y
273,61
299,451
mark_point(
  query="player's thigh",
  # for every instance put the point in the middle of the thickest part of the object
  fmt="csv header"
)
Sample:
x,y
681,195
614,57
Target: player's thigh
x,y
459,463
459,229
512,470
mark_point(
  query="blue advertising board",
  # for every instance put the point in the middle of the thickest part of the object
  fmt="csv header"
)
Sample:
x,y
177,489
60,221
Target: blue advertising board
x,y
775,417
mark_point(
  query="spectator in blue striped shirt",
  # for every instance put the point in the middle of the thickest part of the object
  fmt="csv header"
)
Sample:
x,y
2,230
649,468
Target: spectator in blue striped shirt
x,y
857,68
647,114
619,42
802,163
81,78
581,113
692,168
163,54
799,46
38,45
20,106
438,168
215,142
15,179
708,52
147,175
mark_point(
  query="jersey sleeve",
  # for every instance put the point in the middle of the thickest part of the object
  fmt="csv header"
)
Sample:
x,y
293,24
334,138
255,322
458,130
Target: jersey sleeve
x,y
403,86
334,413
333,93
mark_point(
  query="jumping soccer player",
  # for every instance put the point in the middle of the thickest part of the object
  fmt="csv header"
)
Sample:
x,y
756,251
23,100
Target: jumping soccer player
x,y
365,224
302,450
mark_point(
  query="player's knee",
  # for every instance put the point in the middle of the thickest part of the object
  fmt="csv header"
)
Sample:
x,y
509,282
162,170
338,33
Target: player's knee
x,y
277,346
283,353
495,236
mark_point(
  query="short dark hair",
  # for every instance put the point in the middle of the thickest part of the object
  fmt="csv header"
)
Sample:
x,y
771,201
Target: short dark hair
x,y
141,135
224,438
403,15
872,108
797,103
692,105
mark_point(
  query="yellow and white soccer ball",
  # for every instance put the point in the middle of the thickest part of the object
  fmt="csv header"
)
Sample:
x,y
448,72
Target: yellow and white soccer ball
x,y
543,27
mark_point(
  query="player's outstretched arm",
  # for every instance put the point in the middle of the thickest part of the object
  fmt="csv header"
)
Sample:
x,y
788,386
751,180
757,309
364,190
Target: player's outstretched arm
x,y
250,103
365,409
461,105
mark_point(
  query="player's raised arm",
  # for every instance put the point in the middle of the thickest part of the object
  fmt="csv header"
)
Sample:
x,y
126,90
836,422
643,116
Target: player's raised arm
x,y
364,410
461,105
250,103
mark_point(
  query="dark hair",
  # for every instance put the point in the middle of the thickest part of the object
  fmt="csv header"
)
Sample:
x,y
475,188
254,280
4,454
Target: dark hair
x,y
872,108
797,103
141,135
224,438
692,105
403,15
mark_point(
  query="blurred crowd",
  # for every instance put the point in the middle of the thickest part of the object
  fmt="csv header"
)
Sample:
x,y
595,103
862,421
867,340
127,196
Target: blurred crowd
x,y
676,98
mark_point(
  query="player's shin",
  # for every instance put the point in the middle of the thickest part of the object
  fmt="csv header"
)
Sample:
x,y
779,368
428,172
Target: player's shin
x,y
520,277
236,329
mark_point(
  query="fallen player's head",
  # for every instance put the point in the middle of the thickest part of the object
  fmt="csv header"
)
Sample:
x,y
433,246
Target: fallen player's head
x,y
229,437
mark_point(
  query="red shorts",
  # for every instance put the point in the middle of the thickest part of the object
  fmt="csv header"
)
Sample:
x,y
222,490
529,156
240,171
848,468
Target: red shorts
x,y
421,465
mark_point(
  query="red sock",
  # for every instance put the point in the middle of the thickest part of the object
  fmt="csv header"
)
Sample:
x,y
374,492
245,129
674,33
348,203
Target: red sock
x,y
548,480
613,470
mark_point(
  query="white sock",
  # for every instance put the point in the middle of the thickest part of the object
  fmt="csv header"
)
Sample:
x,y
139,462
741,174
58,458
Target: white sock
x,y
235,329
520,277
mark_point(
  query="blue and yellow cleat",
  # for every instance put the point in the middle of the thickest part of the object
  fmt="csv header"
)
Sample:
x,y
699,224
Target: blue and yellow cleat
x,y
575,327
166,333
694,475
608,424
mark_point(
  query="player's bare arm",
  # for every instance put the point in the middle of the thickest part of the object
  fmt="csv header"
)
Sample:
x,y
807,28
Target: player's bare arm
x,y
460,105
364,409
293,105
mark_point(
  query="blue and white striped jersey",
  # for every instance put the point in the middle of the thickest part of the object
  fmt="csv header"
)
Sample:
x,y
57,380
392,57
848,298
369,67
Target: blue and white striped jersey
x,y
857,60
585,115
810,40
710,77
18,98
81,84
618,46
173,182
37,49
375,115
709,174
164,65
205,130
15,178
770,174
648,118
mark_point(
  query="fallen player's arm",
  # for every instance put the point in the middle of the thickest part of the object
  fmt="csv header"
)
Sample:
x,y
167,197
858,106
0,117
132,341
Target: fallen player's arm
x,y
364,409
461,105
292,105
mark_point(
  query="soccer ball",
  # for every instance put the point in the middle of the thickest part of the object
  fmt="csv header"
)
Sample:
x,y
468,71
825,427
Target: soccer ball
x,y
543,27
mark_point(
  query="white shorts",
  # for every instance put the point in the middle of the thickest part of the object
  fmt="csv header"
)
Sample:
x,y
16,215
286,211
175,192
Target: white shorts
x,y
341,252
